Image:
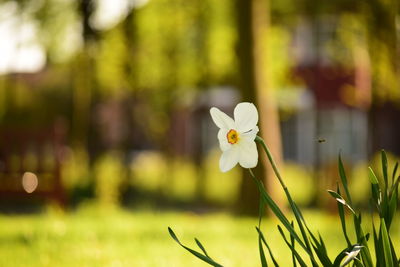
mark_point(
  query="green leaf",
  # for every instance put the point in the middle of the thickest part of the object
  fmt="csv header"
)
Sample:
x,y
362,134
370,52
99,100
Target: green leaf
x,y
340,199
386,245
292,242
320,250
276,210
321,241
295,253
375,190
372,176
279,214
300,221
384,167
395,186
260,246
351,255
361,239
343,219
201,247
262,254
296,211
344,180
269,249
394,256
195,253
334,194
392,208
384,206
394,172
340,257
378,248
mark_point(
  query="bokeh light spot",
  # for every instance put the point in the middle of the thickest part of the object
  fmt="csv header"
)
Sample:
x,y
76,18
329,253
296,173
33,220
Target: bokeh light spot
x,y
29,182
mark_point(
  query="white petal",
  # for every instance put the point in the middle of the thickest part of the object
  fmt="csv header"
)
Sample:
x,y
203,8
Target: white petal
x,y
223,140
246,117
248,157
222,120
229,159
250,135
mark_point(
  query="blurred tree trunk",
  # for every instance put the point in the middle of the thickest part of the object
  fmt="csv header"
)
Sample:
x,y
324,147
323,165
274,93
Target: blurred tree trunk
x,y
130,33
202,59
83,79
253,20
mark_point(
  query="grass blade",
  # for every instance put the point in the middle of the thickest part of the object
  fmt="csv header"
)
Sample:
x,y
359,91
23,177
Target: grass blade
x,y
194,252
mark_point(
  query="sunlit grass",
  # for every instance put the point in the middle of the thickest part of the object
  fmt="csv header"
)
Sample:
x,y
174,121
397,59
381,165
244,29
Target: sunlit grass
x,y
95,237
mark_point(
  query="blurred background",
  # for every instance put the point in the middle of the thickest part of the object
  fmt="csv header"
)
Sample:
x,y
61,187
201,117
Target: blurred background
x,y
104,117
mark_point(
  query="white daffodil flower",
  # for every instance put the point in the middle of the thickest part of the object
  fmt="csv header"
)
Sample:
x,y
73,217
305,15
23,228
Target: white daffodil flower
x,y
236,137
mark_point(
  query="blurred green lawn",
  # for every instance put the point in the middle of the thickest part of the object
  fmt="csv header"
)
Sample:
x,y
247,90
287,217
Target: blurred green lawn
x,y
94,237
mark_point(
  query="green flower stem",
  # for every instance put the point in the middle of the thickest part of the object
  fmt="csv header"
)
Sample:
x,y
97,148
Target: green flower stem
x,y
271,160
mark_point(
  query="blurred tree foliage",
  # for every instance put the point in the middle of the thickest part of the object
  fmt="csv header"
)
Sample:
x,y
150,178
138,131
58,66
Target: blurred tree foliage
x,y
165,49
371,25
